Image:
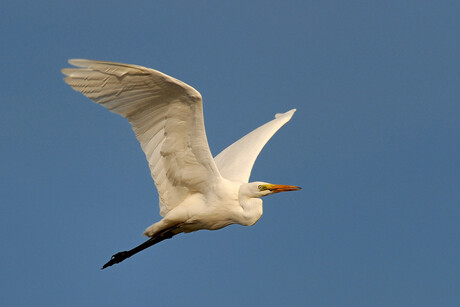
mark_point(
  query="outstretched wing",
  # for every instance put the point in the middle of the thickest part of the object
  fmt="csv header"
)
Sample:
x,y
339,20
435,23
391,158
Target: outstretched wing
x,y
235,162
167,118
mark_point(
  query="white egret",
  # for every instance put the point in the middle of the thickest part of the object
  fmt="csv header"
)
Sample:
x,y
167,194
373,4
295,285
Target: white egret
x,y
195,191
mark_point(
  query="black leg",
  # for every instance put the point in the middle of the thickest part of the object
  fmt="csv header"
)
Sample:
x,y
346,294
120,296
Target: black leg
x,y
163,235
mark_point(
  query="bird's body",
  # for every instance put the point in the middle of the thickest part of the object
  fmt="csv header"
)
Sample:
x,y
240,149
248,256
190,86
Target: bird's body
x,y
224,206
196,191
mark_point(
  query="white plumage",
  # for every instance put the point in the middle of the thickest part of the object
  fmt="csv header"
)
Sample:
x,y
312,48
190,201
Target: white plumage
x,y
195,190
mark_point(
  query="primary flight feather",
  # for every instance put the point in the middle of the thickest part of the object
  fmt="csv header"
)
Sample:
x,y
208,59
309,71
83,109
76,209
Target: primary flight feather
x,y
195,191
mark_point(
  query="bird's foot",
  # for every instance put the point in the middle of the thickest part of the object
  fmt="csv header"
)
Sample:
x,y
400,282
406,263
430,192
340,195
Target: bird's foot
x,y
117,258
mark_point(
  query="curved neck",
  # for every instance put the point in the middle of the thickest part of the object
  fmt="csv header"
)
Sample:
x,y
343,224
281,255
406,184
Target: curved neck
x,y
252,210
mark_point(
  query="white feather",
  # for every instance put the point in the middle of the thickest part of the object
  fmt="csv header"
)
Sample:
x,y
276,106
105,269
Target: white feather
x,y
236,161
166,116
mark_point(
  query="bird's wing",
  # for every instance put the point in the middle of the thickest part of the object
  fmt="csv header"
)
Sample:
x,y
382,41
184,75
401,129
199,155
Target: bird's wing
x,y
235,162
167,118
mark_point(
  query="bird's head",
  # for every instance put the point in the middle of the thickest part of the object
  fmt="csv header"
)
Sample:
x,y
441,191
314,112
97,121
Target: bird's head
x,y
260,189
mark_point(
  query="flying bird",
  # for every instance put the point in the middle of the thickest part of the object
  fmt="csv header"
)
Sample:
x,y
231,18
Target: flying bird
x,y
196,191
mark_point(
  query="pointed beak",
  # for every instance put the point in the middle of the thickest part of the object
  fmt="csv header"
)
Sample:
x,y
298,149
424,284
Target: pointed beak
x,y
276,188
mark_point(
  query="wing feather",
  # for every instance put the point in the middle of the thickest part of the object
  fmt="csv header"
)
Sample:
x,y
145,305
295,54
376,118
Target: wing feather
x,y
166,116
236,161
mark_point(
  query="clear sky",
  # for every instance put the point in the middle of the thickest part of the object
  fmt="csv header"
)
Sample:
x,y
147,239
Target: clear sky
x,y
374,144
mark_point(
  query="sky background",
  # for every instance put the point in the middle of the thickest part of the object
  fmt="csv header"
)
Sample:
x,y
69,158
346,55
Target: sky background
x,y
374,144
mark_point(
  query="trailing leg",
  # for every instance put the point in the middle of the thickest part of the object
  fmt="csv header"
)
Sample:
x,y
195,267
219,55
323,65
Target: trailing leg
x,y
157,238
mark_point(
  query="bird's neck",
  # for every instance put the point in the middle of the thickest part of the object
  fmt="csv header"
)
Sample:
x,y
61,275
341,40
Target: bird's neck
x,y
252,210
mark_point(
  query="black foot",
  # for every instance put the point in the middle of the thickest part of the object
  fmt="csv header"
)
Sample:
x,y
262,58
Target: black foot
x,y
117,258
165,234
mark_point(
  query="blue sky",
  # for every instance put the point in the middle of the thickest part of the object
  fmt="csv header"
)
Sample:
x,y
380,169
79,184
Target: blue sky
x,y
374,144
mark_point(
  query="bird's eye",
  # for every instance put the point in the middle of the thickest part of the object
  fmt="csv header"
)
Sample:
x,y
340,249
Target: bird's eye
x,y
260,187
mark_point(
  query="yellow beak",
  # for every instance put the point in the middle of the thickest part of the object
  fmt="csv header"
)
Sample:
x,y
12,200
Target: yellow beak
x,y
276,188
